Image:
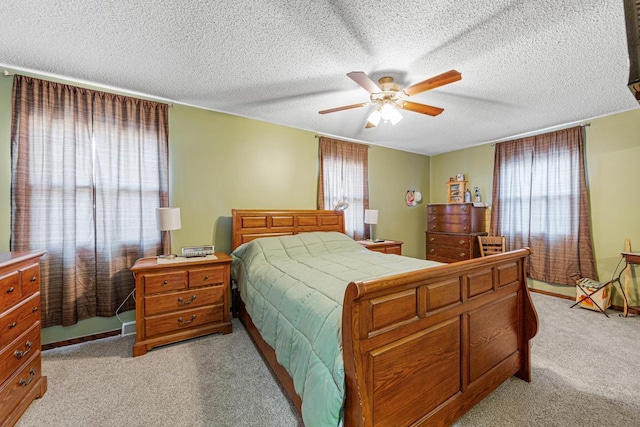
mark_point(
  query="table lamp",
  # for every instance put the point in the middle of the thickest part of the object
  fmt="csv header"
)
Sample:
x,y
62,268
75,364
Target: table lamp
x,y
371,218
168,219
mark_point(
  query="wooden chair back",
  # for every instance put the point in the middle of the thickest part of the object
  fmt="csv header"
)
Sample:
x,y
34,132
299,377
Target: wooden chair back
x,y
491,245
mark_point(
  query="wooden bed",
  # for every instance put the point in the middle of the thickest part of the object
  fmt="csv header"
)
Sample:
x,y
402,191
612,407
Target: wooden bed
x,y
419,348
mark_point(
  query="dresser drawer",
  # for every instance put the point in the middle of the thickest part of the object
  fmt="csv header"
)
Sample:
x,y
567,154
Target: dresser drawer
x,y
10,291
165,303
14,322
449,228
449,209
155,283
449,219
12,356
207,276
20,383
187,319
448,253
461,241
30,279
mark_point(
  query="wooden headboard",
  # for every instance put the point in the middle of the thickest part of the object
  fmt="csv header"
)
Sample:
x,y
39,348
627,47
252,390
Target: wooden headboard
x,y
252,224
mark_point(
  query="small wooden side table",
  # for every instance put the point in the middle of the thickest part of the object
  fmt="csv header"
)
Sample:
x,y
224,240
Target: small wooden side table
x,y
631,258
181,299
386,246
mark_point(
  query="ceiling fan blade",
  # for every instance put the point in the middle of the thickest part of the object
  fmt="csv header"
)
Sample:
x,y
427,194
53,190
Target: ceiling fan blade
x,y
364,81
346,107
420,108
434,82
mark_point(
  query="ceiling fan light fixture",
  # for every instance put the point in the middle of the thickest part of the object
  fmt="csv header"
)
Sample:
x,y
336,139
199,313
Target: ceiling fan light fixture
x,y
390,114
374,118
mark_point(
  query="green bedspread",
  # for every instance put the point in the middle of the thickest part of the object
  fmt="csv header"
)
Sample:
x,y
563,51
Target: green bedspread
x,y
293,288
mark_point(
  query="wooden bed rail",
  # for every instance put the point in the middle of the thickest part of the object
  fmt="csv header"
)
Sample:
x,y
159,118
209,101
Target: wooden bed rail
x,y
422,348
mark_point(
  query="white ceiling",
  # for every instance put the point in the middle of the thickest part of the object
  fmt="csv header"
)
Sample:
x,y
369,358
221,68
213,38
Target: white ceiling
x,y
526,65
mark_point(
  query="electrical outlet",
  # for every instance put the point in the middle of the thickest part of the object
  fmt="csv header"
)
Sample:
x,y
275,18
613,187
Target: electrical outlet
x,y
128,328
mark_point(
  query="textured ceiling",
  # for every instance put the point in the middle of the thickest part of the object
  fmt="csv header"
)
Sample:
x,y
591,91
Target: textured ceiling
x,y
526,65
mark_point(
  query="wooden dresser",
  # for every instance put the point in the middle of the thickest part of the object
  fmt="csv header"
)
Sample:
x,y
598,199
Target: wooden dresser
x,y
178,301
21,379
453,230
386,247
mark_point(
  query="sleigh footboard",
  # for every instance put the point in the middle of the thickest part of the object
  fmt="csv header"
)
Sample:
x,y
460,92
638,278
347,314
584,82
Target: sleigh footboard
x,y
422,348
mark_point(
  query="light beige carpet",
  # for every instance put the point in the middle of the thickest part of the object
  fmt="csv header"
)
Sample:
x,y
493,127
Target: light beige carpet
x,y
585,373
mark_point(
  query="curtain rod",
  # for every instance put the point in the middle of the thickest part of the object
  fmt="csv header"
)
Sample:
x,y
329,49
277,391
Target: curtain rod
x,y
353,141
123,92
586,124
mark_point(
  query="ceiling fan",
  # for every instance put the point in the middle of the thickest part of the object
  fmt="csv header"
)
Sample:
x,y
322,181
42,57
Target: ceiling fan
x,y
389,97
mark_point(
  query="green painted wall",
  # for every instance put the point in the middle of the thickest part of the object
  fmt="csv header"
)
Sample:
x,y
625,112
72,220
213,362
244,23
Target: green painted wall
x,y
613,174
395,173
218,162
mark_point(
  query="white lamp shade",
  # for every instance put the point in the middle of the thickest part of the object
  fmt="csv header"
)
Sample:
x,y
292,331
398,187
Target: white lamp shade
x,y
370,216
168,219
374,118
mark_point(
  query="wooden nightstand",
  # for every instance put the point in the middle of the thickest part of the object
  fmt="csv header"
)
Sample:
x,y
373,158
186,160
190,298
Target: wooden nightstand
x,y
180,300
386,247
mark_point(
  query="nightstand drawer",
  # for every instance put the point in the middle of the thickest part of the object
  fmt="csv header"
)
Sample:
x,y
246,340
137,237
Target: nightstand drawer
x,y
206,276
154,283
396,249
164,303
187,319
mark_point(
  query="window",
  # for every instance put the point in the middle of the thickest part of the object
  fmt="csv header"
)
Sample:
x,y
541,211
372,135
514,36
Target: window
x,y
540,201
344,177
88,171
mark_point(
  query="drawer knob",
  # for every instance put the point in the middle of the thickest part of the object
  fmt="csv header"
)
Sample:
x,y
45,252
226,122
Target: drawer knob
x,y
32,375
166,282
180,301
431,239
462,254
10,290
461,242
33,279
206,277
20,354
186,322
465,219
432,250
34,309
13,325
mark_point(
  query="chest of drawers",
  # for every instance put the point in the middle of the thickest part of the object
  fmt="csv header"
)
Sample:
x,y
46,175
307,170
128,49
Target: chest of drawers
x,y
452,231
21,379
178,301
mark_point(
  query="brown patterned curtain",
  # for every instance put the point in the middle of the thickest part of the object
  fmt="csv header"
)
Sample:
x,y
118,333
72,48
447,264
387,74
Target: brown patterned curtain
x,y
540,200
344,175
88,170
